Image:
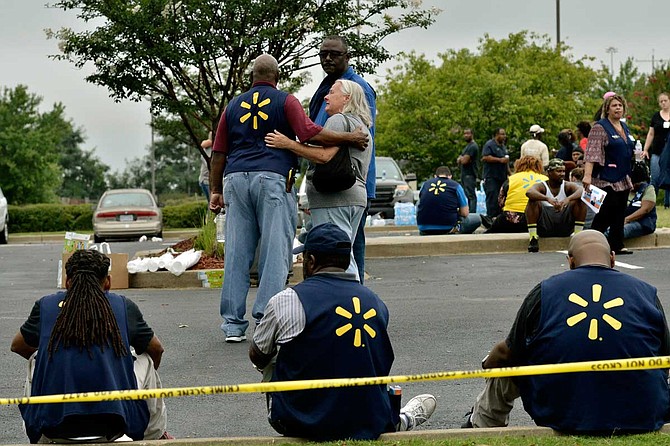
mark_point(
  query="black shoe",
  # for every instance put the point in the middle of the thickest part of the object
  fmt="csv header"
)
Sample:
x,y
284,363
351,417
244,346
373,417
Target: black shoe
x,y
468,422
623,252
534,245
487,221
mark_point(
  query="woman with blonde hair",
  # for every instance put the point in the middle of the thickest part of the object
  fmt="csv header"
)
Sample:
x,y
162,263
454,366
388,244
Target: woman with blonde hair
x,y
512,198
659,128
348,109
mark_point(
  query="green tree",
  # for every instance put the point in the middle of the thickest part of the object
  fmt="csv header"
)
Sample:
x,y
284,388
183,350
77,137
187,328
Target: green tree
x,y
177,162
624,81
511,83
643,101
192,56
30,146
83,172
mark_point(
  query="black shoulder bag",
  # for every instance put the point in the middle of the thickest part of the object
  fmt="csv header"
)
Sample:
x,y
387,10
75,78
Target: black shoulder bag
x,y
338,174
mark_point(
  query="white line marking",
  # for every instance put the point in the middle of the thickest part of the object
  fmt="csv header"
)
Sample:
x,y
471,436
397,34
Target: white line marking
x,y
616,263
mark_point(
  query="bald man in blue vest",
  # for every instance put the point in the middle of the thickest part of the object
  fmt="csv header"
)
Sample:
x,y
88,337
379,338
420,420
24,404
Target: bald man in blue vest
x,y
259,197
591,312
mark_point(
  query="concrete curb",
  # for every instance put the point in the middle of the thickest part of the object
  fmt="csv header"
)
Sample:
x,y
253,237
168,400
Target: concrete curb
x,y
415,246
428,434
53,237
437,245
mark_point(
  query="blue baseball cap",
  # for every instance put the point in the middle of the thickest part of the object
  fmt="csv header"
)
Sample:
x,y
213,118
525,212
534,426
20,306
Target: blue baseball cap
x,y
326,238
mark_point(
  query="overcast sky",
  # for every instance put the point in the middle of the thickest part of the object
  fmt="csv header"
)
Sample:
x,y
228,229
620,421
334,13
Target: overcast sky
x,y
120,131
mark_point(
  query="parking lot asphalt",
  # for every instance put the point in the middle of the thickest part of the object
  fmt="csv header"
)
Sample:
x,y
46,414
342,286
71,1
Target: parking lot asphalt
x,y
445,314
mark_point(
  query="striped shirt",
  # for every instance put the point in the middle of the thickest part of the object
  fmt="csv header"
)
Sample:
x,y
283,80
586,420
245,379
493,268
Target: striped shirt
x,y
284,318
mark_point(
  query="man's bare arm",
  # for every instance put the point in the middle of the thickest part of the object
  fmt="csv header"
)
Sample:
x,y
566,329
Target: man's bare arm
x,y
315,154
155,351
328,138
19,346
499,356
258,358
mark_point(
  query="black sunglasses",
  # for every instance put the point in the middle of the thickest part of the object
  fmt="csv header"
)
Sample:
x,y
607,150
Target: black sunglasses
x,y
332,54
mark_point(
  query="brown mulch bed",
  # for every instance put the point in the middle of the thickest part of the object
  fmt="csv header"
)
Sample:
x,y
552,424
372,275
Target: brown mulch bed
x,y
205,262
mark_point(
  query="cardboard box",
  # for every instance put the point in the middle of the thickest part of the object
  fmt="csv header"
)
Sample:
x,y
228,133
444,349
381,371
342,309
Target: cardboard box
x,y
118,269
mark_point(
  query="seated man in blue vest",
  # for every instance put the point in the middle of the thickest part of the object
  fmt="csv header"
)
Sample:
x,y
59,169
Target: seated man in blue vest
x,y
331,326
641,211
443,207
590,313
85,340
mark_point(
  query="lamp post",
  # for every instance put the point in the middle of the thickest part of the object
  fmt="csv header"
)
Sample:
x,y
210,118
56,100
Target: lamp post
x,y
152,150
558,25
611,50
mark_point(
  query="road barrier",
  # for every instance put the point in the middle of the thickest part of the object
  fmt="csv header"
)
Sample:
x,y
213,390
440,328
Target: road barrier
x,y
611,365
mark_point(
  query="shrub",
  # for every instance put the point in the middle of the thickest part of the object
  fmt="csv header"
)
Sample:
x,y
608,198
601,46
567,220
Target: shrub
x,y
62,217
188,215
50,218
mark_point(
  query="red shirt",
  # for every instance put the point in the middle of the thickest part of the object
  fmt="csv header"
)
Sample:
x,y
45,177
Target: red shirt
x,y
303,127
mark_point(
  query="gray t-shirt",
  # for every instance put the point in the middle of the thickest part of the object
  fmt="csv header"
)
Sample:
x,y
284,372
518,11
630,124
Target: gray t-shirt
x,y
356,195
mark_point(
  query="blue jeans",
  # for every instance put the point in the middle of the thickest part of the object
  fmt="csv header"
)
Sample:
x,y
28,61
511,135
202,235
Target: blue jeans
x,y
359,244
346,218
260,213
205,190
656,175
469,184
492,188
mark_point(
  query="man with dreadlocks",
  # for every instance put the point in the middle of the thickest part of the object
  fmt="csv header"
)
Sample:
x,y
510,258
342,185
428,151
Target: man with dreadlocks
x,y
86,339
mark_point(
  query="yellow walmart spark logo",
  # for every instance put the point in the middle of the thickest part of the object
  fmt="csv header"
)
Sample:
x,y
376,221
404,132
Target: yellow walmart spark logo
x,y
528,182
348,326
438,187
596,291
260,114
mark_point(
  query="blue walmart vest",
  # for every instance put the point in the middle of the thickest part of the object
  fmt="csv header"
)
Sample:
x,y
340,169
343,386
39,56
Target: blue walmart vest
x,y
249,117
344,337
618,154
589,314
438,203
72,371
648,222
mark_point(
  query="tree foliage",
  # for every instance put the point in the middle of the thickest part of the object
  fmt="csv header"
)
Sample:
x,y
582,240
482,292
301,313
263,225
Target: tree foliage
x,y
30,144
625,80
643,101
192,56
511,83
177,162
83,172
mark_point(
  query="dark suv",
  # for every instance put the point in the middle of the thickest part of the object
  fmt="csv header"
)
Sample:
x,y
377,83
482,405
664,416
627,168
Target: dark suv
x,y
391,187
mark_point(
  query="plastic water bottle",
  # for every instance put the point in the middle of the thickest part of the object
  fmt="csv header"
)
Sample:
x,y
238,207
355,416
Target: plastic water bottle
x,y
638,151
220,221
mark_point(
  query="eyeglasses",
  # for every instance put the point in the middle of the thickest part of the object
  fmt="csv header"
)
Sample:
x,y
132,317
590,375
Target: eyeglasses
x,y
332,54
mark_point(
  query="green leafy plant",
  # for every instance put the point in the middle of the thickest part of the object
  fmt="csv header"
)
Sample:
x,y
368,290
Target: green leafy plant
x,y
206,239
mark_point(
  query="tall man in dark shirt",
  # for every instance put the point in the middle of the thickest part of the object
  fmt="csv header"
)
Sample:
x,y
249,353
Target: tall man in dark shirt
x,y
334,56
468,162
495,170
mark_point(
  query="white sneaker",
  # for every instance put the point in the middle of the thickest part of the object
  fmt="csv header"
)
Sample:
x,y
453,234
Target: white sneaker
x,y
236,338
417,411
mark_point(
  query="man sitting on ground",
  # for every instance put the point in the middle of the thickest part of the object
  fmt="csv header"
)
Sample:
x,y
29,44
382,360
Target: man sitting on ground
x,y
590,313
443,207
555,207
87,340
330,326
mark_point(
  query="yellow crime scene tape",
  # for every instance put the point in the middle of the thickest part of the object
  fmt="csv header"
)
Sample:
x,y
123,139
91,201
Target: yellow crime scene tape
x,y
659,362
